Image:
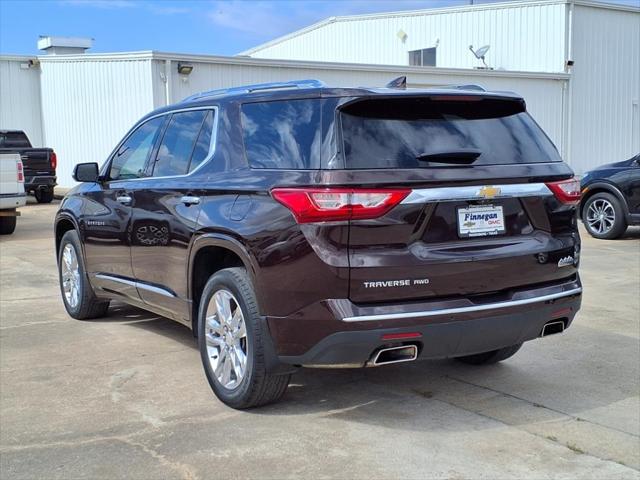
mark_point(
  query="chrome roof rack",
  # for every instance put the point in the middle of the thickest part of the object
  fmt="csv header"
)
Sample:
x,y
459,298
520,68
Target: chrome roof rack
x,y
259,87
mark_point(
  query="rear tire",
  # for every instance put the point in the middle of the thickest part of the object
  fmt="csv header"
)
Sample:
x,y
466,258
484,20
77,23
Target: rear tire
x,y
603,216
488,358
7,225
44,195
233,341
77,295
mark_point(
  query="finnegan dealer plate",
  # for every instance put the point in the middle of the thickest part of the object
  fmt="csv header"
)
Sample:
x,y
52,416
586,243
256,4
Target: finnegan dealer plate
x,y
480,221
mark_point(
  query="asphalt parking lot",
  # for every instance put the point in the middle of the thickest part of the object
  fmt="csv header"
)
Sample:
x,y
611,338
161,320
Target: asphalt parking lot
x,y
125,396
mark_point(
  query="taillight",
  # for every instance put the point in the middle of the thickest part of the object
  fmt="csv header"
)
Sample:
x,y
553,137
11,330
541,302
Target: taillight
x,y
54,160
20,172
567,191
310,205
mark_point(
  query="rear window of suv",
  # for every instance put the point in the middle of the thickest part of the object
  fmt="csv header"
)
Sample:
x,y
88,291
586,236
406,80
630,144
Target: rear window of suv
x,y
415,132
282,134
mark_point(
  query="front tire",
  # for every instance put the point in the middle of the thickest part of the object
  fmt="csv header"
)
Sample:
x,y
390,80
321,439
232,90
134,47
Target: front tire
x,y
230,338
488,358
603,216
77,294
44,195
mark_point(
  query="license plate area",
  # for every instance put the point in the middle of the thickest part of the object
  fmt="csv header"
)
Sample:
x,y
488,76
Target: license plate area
x,y
480,221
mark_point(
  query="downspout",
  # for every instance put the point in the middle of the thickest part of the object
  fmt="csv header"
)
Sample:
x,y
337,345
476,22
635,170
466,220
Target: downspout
x,y
167,82
568,90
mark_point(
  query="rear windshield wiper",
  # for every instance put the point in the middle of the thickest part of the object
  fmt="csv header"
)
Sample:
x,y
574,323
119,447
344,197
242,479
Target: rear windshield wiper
x,y
461,156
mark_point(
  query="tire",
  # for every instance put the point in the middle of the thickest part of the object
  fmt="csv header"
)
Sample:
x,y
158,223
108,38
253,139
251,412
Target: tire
x,y
44,195
7,225
488,358
609,226
86,305
251,386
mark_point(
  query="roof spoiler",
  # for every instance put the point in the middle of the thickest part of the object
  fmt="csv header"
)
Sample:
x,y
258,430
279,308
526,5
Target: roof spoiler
x,y
401,84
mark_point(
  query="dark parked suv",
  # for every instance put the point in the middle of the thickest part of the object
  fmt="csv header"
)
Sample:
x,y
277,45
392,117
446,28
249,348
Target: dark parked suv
x,y
294,225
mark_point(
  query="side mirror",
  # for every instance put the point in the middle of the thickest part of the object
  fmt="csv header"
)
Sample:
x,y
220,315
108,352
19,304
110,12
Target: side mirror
x,y
86,172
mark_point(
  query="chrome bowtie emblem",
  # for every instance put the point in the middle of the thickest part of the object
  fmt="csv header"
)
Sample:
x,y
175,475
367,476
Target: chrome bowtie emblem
x,y
488,192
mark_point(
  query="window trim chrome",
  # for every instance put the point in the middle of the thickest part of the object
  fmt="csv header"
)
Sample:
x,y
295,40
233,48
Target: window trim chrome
x,y
450,194
212,143
456,310
141,285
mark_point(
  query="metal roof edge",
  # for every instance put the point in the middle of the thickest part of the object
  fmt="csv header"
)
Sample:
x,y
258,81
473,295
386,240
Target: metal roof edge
x,y
16,58
605,5
397,69
250,61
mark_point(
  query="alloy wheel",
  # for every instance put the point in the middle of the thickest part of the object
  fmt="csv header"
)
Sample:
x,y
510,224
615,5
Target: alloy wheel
x,y
226,339
70,275
601,216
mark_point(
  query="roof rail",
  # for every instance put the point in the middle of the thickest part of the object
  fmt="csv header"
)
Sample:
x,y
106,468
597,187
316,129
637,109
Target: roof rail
x,y
470,86
259,87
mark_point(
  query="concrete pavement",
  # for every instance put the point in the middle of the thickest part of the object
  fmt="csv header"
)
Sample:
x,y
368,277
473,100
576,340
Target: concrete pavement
x,y
126,397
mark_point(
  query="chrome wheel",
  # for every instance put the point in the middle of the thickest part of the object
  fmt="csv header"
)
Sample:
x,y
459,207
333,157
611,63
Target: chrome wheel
x,y
70,275
226,339
601,216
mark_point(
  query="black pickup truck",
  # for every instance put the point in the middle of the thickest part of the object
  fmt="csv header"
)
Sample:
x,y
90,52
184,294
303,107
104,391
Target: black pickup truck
x,y
39,164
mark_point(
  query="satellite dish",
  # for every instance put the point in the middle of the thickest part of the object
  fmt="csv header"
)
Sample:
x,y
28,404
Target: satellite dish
x,y
480,53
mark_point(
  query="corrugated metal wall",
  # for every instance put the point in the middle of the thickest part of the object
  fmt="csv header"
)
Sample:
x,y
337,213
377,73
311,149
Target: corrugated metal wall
x,y
89,104
605,86
20,106
523,37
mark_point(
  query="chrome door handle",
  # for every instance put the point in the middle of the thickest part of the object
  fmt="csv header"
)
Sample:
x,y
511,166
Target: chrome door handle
x,y
124,199
188,200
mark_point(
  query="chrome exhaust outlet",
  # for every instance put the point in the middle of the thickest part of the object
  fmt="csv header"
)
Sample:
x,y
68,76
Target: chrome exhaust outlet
x,y
551,328
386,356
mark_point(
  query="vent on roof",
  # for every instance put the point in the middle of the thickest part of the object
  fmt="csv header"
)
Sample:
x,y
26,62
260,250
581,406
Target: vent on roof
x,y
64,45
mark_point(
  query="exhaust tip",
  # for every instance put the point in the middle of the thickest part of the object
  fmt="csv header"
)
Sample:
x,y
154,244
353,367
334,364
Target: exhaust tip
x,y
552,328
386,356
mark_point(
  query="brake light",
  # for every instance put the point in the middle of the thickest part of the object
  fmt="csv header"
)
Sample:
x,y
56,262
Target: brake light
x,y
567,191
54,160
19,172
310,205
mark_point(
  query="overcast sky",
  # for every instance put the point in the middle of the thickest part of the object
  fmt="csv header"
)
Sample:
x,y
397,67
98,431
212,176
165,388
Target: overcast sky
x,y
205,26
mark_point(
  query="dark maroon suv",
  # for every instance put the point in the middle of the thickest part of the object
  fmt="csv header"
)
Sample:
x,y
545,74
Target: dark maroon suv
x,y
294,225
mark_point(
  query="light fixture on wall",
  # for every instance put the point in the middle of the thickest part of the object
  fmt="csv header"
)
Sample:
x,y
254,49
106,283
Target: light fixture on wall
x,y
185,68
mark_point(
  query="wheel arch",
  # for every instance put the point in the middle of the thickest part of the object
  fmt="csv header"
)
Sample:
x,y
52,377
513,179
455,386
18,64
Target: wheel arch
x,y
600,187
64,223
210,253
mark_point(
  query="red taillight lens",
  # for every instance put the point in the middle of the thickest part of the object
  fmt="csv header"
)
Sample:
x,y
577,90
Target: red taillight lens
x,y
335,204
20,172
54,160
567,191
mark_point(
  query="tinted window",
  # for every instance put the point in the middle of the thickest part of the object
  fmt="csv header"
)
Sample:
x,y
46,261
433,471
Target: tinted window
x,y
14,140
203,143
394,133
283,134
131,157
174,153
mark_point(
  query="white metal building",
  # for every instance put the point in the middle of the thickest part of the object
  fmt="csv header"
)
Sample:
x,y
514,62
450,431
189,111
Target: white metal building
x,y
82,104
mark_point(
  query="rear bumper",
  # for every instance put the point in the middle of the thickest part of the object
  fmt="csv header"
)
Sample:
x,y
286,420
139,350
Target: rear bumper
x,y
12,201
338,333
39,181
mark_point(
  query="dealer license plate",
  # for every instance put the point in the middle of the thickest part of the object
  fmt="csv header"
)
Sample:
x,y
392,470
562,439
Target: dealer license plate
x,y
480,221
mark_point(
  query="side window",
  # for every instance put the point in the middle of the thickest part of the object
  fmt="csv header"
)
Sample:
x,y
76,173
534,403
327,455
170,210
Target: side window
x,y
203,144
131,157
178,143
282,134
